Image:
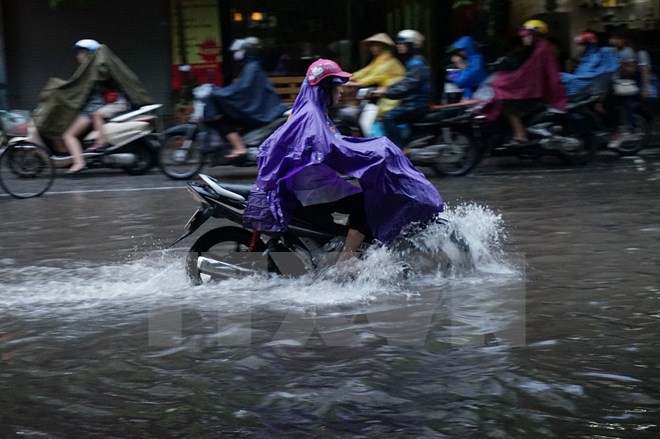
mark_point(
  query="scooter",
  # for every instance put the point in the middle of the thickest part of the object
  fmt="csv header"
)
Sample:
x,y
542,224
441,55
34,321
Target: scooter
x,y
187,147
132,143
307,246
567,135
439,140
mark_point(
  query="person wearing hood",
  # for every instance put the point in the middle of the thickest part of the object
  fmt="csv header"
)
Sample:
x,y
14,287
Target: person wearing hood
x,y
534,80
470,66
383,70
99,89
247,103
595,68
414,91
300,167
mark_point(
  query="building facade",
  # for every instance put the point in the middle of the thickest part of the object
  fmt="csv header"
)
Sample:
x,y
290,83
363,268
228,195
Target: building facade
x,y
156,38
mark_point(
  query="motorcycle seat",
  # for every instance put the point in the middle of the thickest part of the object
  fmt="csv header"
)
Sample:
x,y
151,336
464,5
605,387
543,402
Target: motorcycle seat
x,y
237,188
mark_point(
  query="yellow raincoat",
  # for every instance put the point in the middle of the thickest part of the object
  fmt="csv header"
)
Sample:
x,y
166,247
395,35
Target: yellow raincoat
x,y
383,71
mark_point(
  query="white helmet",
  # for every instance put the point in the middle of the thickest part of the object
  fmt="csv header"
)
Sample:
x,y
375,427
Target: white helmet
x,y
87,44
410,36
244,43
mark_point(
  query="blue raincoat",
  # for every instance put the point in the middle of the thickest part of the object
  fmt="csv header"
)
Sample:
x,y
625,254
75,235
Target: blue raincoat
x,y
595,70
475,73
395,192
252,99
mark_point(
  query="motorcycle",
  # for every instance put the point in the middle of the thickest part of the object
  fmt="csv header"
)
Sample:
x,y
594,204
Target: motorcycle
x,y
568,135
187,147
439,140
132,143
233,251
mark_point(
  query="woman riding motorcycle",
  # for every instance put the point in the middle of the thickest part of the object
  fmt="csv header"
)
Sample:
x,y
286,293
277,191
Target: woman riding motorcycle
x,y
383,70
470,66
247,103
535,79
300,163
596,66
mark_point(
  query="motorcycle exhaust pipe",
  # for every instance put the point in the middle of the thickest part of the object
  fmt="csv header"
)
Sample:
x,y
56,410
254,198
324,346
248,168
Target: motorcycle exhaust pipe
x,y
120,159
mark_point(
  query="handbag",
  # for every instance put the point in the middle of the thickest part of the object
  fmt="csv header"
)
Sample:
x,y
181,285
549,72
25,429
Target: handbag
x,y
625,87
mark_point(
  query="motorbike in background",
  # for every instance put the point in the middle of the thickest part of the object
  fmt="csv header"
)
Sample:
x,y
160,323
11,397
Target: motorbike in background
x,y
28,164
567,135
187,147
440,139
309,244
132,142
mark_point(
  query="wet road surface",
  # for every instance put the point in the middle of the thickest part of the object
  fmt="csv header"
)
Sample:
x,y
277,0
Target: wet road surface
x,y
553,335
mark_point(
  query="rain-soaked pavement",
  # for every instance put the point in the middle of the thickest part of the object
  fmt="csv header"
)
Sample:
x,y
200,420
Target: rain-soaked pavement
x,y
555,334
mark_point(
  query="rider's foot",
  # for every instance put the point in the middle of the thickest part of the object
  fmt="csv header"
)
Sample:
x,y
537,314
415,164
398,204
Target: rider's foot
x,y
236,154
516,142
76,168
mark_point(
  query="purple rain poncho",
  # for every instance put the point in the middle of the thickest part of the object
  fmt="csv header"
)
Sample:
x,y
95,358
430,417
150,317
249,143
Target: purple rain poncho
x,y
395,193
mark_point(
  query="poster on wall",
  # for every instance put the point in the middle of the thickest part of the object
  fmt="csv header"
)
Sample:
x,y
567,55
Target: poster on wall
x,y
196,49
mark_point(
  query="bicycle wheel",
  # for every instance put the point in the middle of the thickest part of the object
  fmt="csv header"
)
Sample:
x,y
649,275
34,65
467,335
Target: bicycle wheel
x,y
26,170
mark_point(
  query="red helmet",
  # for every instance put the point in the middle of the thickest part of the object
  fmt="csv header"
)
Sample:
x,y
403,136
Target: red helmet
x,y
323,68
586,37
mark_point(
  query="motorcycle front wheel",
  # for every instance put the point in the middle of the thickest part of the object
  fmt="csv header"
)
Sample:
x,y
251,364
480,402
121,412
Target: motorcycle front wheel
x,y
222,253
26,170
457,156
180,158
583,153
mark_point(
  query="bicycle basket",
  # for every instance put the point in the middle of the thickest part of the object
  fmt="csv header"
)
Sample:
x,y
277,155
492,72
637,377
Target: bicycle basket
x,y
15,122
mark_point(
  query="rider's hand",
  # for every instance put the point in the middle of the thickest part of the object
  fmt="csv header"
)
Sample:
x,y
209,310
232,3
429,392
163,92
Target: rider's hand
x,y
379,92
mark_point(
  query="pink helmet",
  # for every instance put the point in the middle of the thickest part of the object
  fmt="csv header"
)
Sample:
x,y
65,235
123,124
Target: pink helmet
x,y
323,68
586,37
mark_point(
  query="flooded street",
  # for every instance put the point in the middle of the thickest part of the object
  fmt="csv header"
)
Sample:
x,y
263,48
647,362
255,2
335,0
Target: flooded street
x,y
554,334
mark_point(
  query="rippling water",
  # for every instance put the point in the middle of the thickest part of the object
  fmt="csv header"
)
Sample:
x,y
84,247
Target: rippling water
x,y
130,349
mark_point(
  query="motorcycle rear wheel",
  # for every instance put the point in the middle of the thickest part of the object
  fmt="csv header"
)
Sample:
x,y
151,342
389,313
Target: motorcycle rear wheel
x,y
144,158
26,170
177,162
643,130
222,253
458,158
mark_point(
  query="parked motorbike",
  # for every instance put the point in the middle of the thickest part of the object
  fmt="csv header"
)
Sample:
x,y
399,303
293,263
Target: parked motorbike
x,y
439,140
187,147
233,251
132,143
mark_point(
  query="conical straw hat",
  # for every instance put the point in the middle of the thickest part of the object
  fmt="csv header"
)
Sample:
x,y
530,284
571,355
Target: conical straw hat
x,y
379,38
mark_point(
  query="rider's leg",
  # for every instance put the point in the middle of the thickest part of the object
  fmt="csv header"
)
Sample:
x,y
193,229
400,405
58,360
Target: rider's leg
x,y
353,240
238,147
519,133
391,126
72,143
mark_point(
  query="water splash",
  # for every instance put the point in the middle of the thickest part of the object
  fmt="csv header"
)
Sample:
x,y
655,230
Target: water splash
x,y
159,277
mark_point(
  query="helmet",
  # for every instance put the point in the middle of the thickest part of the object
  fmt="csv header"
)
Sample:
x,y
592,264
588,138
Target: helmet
x,y
86,44
244,43
410,36
324,68
586,37
535,25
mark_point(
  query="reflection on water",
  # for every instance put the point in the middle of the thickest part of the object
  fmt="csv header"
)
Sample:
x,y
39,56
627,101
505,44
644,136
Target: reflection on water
x,y
132,350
